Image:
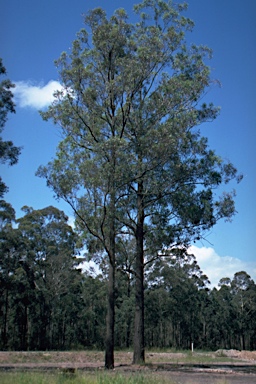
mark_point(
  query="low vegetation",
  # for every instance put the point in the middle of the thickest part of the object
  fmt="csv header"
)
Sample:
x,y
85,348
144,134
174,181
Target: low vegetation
x,y
76,378
121,357
106,378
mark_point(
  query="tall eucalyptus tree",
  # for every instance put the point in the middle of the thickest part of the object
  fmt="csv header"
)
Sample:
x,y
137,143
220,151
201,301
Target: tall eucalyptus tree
x,y
132,160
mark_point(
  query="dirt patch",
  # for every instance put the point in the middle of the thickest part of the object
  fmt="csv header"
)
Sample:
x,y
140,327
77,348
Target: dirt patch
x,y
234,353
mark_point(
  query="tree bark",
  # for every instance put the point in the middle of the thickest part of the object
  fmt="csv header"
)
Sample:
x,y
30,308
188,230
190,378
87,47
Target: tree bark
x,y
4,333
139,348
110,319
129,319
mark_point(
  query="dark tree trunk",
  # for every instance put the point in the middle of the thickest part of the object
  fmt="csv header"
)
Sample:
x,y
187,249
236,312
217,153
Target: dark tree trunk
x,y
4,332
139,348
129,320
110,319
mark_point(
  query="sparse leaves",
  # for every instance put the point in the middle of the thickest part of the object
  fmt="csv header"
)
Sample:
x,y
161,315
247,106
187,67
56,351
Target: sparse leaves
x,y
8,152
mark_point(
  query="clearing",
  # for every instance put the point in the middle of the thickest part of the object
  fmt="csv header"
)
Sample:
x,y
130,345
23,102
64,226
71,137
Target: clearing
x,y
222,366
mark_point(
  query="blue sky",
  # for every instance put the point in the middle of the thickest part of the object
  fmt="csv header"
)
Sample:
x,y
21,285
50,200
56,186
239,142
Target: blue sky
x,y
35,32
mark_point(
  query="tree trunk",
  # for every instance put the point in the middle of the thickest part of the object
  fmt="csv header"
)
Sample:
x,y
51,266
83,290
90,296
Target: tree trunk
x,y
110,319
129,319
4,333
139,348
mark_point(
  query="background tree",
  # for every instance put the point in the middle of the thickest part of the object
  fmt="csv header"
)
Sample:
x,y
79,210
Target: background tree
x,y
243,290
50,264
173,300
91,325
9,260
41,283
8,152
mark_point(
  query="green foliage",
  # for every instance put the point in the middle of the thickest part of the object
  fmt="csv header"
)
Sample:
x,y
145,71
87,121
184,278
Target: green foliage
x,y
6,97
40,281
7,214
8,152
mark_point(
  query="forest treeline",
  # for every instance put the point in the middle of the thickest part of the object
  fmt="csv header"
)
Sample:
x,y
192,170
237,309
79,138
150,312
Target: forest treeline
x,y
49,302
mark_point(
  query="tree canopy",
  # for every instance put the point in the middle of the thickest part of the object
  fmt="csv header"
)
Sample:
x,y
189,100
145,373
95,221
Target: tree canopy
x,y
8,152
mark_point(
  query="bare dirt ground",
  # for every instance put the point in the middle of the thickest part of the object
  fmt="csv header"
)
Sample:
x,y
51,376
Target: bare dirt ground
x,y
220,367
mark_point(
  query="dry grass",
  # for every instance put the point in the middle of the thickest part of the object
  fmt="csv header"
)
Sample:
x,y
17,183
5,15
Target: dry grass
x,y
97,357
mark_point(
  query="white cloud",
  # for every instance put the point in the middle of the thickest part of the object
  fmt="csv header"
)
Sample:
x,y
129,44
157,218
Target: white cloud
x,y
216,267
71,221
91,267
87,266
35,96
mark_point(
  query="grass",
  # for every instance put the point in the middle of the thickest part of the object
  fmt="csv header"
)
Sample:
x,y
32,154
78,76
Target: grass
x,y
121,357
38,357
198,357
77,378
88,378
